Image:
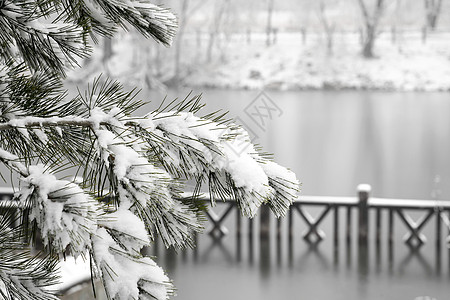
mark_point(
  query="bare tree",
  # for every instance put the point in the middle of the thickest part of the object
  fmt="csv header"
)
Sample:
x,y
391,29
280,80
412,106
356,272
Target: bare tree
x,y
215,28
107,53
186,11
397,20
328,27
269,29
432,10
371,21
181,28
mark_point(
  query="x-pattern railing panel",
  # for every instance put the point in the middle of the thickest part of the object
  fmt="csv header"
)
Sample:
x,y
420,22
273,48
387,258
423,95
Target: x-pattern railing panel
x,y
314,234
414,238
219,230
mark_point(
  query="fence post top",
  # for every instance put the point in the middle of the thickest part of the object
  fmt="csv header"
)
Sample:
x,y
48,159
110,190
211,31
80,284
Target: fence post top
x,y
364,187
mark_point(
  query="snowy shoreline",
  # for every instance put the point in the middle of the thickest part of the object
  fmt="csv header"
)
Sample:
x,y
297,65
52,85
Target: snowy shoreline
x,y
408,64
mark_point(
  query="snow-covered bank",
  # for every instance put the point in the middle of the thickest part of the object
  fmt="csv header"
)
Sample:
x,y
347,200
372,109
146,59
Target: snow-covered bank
x,y
408,64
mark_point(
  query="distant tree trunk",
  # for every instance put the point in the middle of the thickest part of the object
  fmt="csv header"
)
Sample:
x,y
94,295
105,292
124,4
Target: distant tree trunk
x,y
397,22
369,41
269,29
370,26
249,36
274,36
393,34
215,29
432,10
199,38
424,34
209,50
328,28
303,32
180,34
107,53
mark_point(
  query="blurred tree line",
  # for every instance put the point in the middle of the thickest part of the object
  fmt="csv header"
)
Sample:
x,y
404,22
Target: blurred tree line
x,y
209,27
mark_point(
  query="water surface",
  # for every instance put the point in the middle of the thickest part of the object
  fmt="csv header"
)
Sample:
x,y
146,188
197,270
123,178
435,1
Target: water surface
x,y
397,142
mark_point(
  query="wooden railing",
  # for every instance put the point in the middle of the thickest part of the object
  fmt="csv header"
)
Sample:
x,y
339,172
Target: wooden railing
x,y
362,203
361,221
357,227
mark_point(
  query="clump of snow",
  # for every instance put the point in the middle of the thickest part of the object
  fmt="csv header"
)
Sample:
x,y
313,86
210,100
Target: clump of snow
x,y
364,187
232,154
144,193
97,12
127,223
65,214
7,156
41,135
124,274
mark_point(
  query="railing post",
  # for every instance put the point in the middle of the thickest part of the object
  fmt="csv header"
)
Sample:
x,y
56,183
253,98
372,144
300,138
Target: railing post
x,y
238,233
264,227
363,219
264,240
363,228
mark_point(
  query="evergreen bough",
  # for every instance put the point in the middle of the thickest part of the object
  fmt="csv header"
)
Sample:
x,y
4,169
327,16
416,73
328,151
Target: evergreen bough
x,y
132,167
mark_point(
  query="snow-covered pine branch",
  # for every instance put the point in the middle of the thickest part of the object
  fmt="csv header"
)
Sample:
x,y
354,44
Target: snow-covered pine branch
x,y
183,144
222,156
54,35
126,274
65,214
131,166
33,33
149,19
71,221
22,276
139,161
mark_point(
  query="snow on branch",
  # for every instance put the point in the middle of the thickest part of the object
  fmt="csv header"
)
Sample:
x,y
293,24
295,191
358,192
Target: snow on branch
x,y
149,19
222,155
64,213
139,161
125,272
35,35
145,189
188,145
12,161
54,36
22,276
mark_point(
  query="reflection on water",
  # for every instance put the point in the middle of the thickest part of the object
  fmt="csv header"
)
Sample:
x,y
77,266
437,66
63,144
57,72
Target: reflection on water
x,y
397,142
257,266
277,269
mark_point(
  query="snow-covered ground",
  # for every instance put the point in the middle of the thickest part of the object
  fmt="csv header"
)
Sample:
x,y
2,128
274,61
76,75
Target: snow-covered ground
x,y
404,65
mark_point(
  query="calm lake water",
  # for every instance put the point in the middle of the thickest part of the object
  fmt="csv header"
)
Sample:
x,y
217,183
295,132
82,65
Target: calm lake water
x,y
334,140
397,142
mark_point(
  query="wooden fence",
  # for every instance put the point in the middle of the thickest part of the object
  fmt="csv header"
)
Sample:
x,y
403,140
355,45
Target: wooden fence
x,y
355,213
362,203
358,227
